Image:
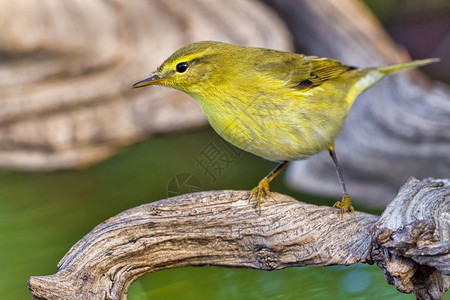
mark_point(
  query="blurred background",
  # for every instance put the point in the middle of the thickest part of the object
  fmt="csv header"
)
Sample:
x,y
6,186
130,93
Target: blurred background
x,y
78,146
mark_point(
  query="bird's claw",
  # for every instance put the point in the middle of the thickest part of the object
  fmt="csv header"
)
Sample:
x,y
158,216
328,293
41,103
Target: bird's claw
x,y
260,191
345,205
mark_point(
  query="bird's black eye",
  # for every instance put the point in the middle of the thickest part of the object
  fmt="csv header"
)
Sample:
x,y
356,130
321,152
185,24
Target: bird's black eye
x,y
182,67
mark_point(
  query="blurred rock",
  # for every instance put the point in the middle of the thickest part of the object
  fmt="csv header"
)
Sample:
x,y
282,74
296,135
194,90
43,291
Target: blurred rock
x,y
66,68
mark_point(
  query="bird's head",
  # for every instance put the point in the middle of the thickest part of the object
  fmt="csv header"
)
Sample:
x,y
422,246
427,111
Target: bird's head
x,y
193,69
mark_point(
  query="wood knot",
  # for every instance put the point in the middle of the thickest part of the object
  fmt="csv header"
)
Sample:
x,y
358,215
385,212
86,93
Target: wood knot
x,y
406,237
409,236
384,235
266,258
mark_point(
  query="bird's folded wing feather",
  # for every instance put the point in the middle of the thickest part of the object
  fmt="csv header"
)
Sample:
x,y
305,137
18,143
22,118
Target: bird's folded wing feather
x,y
319,71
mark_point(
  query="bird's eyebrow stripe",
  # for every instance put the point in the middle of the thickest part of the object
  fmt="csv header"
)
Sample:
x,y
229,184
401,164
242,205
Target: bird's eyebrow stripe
x,y
204,58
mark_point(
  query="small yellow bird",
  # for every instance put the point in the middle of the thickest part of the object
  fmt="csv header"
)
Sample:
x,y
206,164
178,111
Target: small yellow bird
x,y
278,105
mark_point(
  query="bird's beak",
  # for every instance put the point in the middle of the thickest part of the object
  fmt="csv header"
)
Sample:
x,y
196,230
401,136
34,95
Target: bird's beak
x,y
152,80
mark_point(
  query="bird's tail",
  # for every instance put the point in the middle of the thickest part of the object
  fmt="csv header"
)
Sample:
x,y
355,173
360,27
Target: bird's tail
x,y
412,64
365,78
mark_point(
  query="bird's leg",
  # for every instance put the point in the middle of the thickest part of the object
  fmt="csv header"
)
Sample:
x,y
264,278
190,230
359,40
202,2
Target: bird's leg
x,y
345,204
263,185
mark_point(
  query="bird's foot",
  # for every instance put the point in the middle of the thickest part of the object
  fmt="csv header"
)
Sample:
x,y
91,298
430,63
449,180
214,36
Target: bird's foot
x,y
345,205
260,191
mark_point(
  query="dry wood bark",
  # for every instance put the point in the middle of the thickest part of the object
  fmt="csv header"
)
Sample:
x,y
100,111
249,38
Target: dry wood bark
x,y
66,69
397,129
410,242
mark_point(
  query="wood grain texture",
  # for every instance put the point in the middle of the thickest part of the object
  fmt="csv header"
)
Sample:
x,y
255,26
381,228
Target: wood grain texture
x,y
414,251
66,70
397,129
221,228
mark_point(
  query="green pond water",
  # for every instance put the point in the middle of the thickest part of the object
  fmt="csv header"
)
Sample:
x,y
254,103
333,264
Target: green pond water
x,y
43,214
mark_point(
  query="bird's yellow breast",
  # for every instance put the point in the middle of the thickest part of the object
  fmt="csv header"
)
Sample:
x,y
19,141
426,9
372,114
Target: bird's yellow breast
x,y
278,123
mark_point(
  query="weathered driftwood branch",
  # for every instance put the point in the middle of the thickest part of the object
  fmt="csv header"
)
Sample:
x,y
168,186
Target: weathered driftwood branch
x,y
410,242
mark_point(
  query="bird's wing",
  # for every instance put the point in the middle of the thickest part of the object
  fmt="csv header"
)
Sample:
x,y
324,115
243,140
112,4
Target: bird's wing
x,y
319,70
